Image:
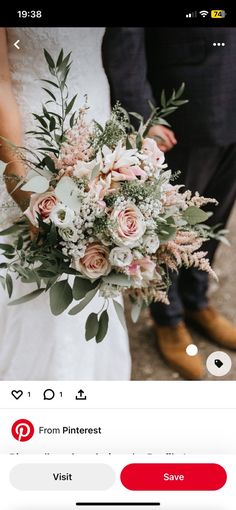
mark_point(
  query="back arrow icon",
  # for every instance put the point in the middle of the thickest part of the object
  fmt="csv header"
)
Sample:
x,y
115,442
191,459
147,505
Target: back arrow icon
x,y
16,44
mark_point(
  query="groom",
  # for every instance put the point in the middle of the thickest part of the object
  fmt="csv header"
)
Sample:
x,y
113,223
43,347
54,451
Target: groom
x,y
139,63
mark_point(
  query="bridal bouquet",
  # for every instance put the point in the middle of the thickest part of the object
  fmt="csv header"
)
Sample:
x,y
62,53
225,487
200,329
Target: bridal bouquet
x,y
107,214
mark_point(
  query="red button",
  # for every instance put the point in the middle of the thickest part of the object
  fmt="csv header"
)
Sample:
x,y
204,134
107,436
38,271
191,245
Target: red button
x,y
173,477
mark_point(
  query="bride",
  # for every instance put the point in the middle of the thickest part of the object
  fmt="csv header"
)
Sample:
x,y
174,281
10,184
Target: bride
x,y
35,345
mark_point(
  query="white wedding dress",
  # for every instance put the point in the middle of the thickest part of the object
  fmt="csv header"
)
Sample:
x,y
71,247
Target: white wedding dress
x,y
35,345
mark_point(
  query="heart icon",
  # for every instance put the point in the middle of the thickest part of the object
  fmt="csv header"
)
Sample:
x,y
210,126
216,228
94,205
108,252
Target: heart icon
x,y
17,394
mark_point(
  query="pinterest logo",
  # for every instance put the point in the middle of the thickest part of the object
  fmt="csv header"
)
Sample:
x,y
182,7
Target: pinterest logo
x,y
22,430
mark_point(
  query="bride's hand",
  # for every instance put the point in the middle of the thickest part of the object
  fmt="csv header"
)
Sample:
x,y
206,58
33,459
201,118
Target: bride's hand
x,y
164,137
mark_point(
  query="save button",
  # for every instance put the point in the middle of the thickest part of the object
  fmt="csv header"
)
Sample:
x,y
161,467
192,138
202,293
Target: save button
x,y
173,477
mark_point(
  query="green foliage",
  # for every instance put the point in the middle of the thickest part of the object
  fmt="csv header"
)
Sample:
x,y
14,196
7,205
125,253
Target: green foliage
x,y
60,297
120,313
167,230
136,191
82,286
114,131
27,297
194,215
52,126
168,106
9,284
78,308
102,326
91,326
117,279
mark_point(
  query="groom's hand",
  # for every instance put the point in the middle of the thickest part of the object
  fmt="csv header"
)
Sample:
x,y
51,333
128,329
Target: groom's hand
x,y
165,138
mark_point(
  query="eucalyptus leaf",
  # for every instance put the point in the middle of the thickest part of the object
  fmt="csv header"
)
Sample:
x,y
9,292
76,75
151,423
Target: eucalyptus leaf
x,y
194,215
81,287
78,308
120,313
168,230
37,184
60,297
102,326
27,297
91,326
118,279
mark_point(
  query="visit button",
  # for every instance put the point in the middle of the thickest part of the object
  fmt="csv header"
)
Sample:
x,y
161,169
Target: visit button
x,y
173,477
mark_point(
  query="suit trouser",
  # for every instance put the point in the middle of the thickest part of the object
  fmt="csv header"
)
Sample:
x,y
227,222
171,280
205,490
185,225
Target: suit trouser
x,y
212,172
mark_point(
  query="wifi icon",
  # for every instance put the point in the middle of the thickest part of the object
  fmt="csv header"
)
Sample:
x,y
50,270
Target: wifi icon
x,y
204,13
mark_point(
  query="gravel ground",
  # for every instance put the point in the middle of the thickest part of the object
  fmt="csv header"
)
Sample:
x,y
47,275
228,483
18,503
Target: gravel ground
x,y
147,363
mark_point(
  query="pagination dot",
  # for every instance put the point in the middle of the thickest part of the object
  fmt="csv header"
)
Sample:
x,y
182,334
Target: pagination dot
x,y
191,350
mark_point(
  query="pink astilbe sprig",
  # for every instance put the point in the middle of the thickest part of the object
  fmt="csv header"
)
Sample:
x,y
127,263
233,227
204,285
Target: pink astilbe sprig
x,y
182,251
76,148
186,241
196,200
199,201
172,196
198,260
165,257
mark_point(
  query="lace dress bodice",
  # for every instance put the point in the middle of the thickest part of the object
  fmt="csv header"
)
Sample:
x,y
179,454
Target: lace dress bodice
x,y
28,66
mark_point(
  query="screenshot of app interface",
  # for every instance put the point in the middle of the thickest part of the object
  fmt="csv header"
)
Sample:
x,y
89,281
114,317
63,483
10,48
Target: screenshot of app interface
x,y
117,261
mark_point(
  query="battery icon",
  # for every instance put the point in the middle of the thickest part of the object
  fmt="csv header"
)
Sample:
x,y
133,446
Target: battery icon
x,y
218,13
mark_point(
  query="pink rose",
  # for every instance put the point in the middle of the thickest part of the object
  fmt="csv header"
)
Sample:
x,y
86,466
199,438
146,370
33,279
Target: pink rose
x,y
143,269
95,263
128,225
42,204
128,173
150,148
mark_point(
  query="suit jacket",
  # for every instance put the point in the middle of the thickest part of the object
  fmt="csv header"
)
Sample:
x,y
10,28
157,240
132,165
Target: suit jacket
x,y
140,62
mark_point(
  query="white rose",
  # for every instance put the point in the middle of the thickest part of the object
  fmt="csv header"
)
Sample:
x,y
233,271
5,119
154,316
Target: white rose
x,y
151,243
62,216
129,225
69,234
120,257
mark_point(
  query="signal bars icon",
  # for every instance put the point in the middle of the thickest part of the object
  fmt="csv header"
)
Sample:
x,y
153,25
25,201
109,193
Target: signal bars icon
x,y
191,14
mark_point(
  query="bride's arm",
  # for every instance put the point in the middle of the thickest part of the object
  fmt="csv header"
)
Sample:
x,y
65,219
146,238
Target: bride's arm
x,y
10,127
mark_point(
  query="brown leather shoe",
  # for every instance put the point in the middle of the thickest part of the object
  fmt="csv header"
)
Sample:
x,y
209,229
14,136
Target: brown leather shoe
x,y
213,325
172,342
